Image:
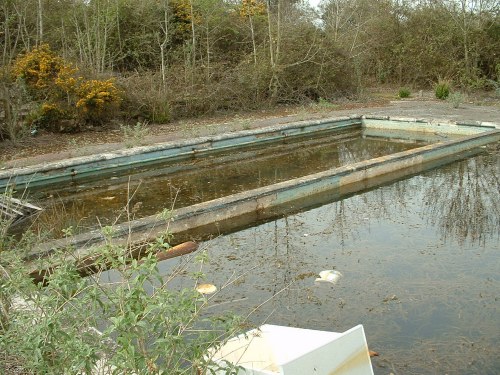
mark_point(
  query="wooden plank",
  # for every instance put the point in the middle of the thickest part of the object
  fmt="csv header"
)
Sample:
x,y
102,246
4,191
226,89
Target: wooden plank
x,y
15,210
87,265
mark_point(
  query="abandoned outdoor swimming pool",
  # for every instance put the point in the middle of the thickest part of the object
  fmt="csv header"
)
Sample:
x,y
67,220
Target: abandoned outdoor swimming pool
x,y
184,183
419,258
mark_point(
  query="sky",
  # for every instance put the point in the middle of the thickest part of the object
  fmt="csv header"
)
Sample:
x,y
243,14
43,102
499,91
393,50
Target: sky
x,y
314,3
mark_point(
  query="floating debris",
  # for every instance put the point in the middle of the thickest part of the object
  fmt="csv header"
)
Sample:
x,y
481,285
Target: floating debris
x,y
390,298
329,276
302,276
108,198
15,210
206,288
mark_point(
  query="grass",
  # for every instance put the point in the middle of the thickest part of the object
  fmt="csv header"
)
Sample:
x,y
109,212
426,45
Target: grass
x,y
404,93
326,104
135,135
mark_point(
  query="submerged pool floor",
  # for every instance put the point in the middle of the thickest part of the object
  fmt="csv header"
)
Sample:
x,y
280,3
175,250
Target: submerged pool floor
x,y
419,257
174,185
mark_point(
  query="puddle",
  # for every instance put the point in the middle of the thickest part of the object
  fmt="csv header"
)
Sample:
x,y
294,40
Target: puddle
x,y
419,259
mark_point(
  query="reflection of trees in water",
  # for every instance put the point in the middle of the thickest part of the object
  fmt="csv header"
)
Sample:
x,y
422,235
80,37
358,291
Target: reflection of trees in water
x,y
353,152
464,202
350,215
461,199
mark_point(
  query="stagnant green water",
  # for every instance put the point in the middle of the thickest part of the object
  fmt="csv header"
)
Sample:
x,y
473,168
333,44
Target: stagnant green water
x,y
173,185
420,262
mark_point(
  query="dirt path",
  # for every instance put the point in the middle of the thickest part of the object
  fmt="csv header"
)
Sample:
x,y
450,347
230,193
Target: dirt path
x,y
47,147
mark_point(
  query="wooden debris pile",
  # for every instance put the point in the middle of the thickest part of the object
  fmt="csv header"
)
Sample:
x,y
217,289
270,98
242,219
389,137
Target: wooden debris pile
x,y
15,211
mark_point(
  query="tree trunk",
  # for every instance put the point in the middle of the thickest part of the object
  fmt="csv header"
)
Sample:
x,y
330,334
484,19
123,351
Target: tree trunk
x,y
40,23
193,34
252,31
274,41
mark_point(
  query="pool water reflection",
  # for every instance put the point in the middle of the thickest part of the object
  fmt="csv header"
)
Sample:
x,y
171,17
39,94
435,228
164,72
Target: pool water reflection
x,y
420,265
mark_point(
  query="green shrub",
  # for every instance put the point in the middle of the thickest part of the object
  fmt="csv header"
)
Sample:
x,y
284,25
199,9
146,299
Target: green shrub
x,y
442,89
160,111
148,324
404,93
135,135
455,98
325,104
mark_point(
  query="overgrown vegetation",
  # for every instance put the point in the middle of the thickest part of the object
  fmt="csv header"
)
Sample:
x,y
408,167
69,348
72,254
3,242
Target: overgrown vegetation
x,y
185,58
456,98
442,89
404,93
11,98
135,135
63,94
139,323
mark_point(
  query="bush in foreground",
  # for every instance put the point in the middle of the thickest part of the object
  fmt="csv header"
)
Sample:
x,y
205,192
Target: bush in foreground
x,y
146,326
404,93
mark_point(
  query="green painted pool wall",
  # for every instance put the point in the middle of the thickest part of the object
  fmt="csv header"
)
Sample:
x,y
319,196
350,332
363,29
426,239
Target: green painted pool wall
x,y
75,169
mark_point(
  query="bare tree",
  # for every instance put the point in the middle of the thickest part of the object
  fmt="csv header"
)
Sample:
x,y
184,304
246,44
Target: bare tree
x,y
40,23
164,40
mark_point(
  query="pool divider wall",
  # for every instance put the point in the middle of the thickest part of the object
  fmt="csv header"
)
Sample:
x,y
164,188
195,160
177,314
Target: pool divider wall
x,y
258,200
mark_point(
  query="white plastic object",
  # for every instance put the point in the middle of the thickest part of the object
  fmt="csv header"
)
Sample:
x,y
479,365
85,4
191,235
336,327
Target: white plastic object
x,y
329,276
271,350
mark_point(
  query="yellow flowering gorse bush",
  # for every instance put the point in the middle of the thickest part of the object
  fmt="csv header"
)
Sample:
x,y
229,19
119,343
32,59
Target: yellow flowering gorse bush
x,y
96,96
51,112
66,79
38,68
66,95
183,15
251,8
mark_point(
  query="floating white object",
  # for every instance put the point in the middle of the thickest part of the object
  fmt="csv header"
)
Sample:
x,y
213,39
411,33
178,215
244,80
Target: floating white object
x,y
329,276
271,350
206,288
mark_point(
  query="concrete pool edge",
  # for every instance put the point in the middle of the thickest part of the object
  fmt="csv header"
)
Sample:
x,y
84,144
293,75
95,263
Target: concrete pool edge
x,y
427,125
80,167
68,169
236,205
